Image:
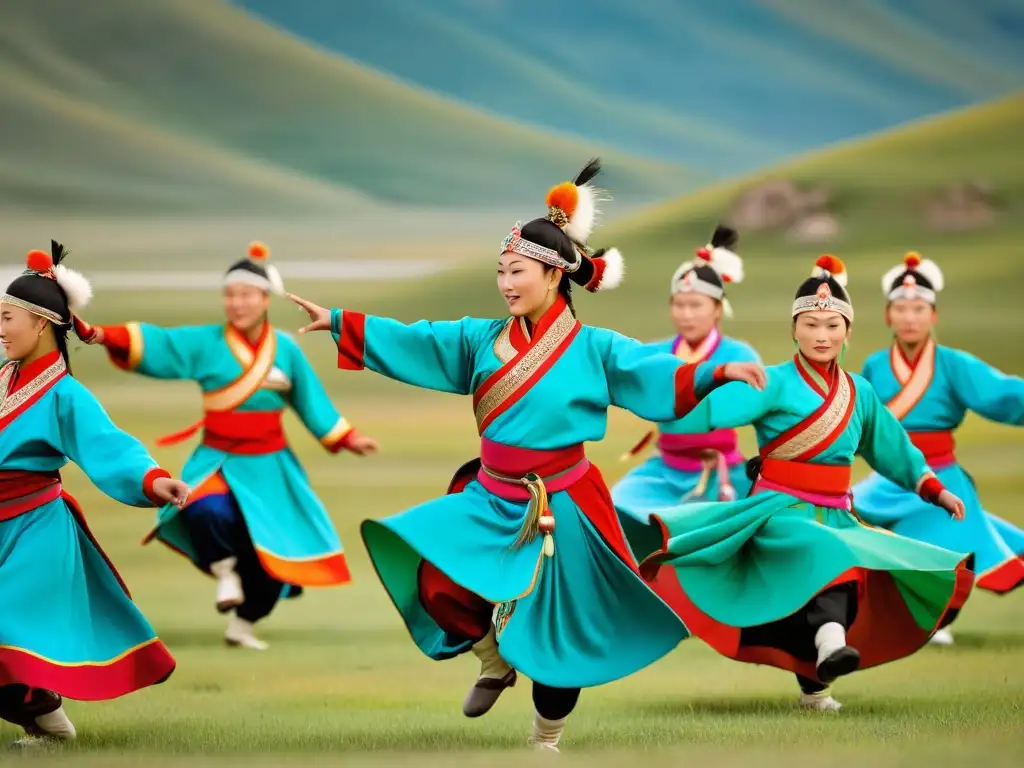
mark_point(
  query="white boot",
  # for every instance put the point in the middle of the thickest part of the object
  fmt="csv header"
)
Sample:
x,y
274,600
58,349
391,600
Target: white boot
x,y
821,701
495,676
942,637
240,635
545,733
835,657
48,730
229,584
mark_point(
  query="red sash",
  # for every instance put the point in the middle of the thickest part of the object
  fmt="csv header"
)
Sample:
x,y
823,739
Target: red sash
x,y
914,378
256,366
526,359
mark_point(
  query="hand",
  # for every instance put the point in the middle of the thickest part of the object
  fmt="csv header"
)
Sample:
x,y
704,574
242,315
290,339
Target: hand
x,y
174,491
362,445
89,334
321,318
749,373
952,504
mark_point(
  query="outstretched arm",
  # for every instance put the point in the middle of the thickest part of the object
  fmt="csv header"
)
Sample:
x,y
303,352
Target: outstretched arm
x,y
986,390
657,387
117,463
160,353
886,447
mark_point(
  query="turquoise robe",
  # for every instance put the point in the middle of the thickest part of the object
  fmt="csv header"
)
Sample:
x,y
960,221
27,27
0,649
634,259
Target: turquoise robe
x,y
67,622
960,383
584,616
654,484
293,535
760,559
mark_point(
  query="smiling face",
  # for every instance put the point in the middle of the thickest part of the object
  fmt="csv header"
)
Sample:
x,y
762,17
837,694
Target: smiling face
x,y
695,315
245,306
911,320
820,335
527,285
20,331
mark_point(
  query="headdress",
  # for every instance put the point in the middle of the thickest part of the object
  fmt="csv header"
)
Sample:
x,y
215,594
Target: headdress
x,y
915,278
715,265
254,270
825,290
48,288
560,238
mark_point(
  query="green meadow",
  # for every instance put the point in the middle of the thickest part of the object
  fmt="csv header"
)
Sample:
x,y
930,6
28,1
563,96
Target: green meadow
x,y
342,683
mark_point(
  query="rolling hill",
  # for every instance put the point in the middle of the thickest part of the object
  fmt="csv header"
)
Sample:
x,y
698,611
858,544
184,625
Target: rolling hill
x,y
195,106
878,183
722,87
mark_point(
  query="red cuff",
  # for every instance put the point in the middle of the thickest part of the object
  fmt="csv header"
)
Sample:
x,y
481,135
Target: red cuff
x,y
118,342
931,489
147,484
346,441
719,375
686,393
352,341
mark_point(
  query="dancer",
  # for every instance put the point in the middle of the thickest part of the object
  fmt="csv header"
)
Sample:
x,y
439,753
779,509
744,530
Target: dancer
x,y
930,388
254,523
68,626
523,562
690,467
790,576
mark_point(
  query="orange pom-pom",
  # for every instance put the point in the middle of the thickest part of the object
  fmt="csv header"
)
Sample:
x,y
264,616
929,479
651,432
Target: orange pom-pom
x,y
39,261
831,264
912,260
564,197
258,251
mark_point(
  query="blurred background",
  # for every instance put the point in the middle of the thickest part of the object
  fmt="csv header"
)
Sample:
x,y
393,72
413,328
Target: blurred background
x,y
383,149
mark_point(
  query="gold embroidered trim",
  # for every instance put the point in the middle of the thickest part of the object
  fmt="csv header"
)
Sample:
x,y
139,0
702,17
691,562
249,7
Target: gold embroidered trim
x,y
821,428
537,355
135,345
503,349
240,390
276,380
915,382
35,309
14,401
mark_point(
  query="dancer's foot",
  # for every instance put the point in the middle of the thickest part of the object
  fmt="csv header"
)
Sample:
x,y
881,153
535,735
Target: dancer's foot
x,y
941,637
239,634
835,657
495,676
545,734
229,584
47,730
821,701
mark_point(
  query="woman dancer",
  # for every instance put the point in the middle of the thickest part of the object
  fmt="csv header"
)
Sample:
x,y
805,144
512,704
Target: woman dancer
x,y
68,626
930,388
690,467
253,523
486,568
790,576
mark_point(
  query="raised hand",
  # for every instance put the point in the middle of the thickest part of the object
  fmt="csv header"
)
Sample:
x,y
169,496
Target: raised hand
x,y
749,373
320,317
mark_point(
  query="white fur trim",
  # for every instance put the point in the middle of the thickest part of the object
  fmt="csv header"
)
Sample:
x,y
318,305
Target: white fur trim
x,y
582,223
890,277
727,264
614,270
75,286
276,283
928,269
842,278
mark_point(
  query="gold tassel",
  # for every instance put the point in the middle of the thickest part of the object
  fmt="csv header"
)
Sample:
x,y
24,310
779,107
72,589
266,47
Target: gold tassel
x,y
538,516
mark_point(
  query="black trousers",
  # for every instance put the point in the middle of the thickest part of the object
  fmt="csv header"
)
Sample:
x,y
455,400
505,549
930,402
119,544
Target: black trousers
x,y
21,705
218,531
554,703
795,633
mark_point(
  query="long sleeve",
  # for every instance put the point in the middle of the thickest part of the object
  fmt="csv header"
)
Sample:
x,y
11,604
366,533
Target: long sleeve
x,y
431,355
312,405
733,405
656,387
986,390
885,444
116,463
160,353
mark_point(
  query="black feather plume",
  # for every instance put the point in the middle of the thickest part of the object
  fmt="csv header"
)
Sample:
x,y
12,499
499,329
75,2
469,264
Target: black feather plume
x,y
57,252
590,170
724,237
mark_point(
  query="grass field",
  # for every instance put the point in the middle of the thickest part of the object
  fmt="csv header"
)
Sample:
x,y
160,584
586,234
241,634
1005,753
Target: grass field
x,y
343,684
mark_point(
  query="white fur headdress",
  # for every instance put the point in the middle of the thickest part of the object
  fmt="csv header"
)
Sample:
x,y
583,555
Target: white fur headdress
x,y
904,281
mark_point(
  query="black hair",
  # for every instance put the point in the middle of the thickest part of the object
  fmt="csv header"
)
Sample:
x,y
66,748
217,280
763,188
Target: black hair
x,y
564,289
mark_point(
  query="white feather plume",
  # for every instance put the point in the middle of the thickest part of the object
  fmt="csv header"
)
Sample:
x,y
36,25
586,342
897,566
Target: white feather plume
x,y
930,271
584,218
727,264
842,277
75,286
890,277
614,270
274,278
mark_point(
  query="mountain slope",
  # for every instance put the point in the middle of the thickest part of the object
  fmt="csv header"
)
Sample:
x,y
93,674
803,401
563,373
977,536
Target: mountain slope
x,y
195,105
721,87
